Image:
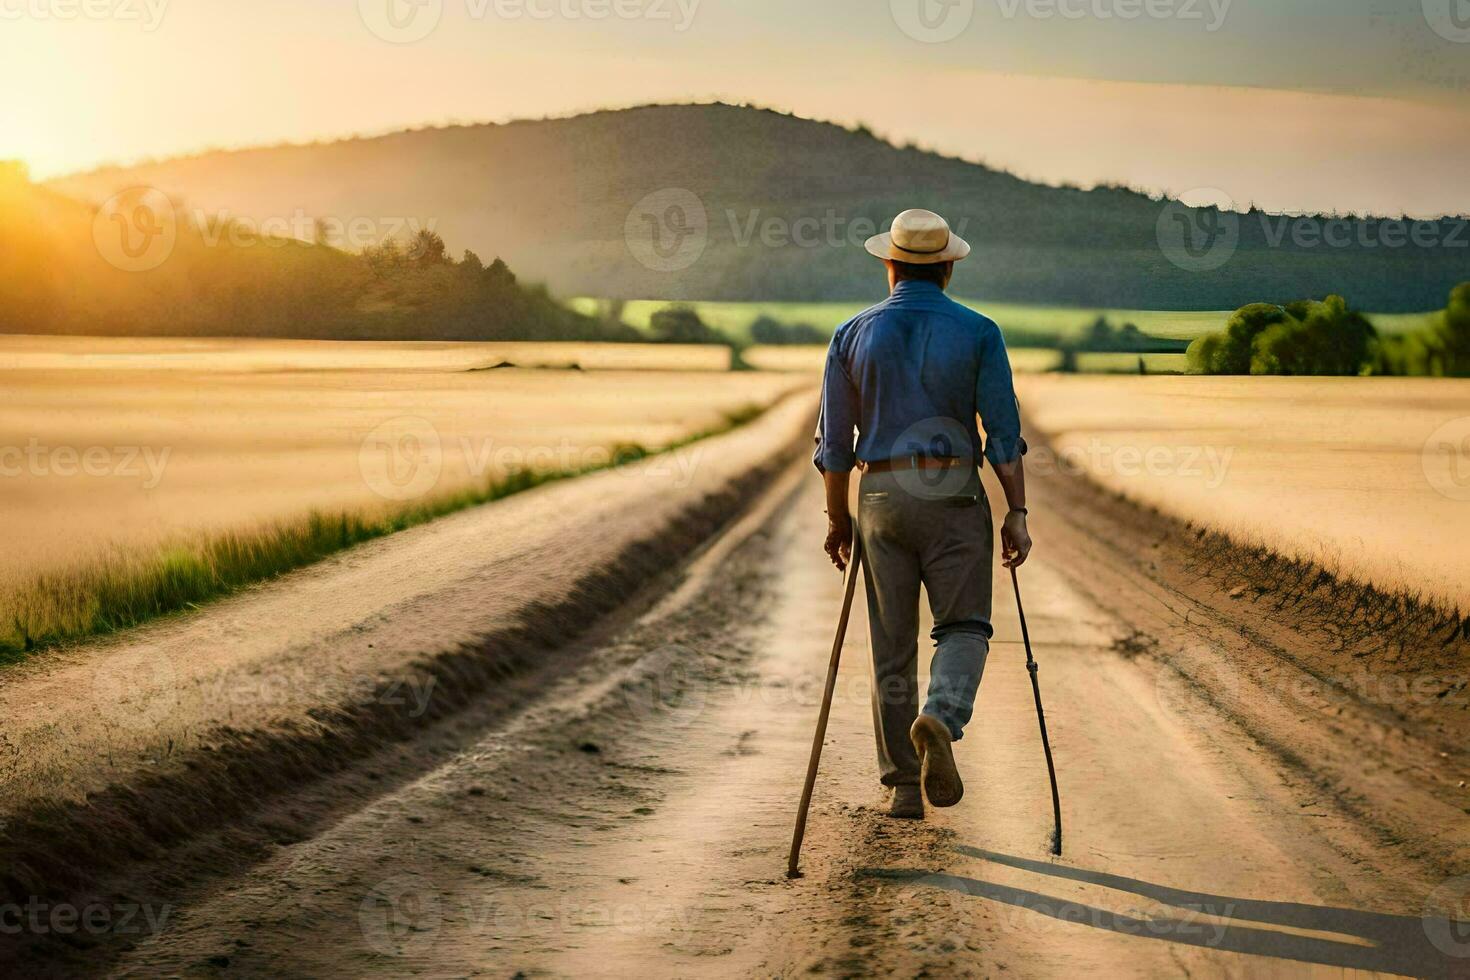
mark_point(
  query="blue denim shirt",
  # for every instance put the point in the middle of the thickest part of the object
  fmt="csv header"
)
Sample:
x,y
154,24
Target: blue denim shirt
x,y
910,375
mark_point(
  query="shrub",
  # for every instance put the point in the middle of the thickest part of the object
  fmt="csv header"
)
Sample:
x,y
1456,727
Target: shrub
x,y
1103,336
1306,337
683,325
1331,339
769,330
1229,352
1451,336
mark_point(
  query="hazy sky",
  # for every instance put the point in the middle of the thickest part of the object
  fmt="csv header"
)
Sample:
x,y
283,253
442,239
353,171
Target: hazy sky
x,y
1293,104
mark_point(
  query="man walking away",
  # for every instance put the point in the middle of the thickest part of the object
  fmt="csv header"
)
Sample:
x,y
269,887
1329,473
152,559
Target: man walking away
x,y
909,376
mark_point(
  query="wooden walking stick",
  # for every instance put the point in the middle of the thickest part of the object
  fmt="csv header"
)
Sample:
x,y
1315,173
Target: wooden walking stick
x,y
1051,769
792,870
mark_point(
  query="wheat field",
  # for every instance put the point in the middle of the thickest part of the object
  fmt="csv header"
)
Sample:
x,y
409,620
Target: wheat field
x,y
118,452
1369,476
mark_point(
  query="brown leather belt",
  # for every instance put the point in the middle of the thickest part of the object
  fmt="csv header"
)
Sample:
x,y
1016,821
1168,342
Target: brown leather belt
x,y
912,463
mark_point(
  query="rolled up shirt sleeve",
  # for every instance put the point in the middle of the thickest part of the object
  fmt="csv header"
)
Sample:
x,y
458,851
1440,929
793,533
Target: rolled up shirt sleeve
x,y
839,417
995,398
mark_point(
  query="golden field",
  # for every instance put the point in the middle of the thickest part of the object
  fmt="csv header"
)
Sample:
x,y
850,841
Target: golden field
x,y
113,449
1369,476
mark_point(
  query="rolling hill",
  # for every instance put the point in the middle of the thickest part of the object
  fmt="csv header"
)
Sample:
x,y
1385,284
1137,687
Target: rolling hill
x,y
768,206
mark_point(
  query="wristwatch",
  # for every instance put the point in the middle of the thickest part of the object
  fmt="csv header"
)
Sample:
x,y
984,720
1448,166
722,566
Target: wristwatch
x,y
1020,510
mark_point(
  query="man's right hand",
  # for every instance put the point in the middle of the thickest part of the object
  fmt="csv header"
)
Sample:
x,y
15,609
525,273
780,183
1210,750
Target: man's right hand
x,y
839,541
1015,540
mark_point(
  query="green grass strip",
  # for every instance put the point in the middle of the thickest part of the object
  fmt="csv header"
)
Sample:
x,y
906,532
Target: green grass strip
x,y
120,592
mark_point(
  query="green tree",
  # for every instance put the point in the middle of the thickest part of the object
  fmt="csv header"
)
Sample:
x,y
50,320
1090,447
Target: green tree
x,y
1098,337
769,330
682,325
1230,351
1450,338
1331,339
385,259
498,275
427,249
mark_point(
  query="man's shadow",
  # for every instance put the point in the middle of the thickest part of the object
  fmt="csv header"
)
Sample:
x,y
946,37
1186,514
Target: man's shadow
x,y
1421,946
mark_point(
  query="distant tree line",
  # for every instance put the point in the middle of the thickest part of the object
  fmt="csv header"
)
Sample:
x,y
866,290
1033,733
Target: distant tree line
x,y
418,287
1441,351
769,330
55,280
681,323
1329,337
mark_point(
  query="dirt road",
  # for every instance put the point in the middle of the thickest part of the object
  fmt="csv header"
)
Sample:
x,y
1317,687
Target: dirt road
x,y
631,816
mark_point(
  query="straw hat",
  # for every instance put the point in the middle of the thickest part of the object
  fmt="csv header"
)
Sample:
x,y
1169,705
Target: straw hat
x,y
919,237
